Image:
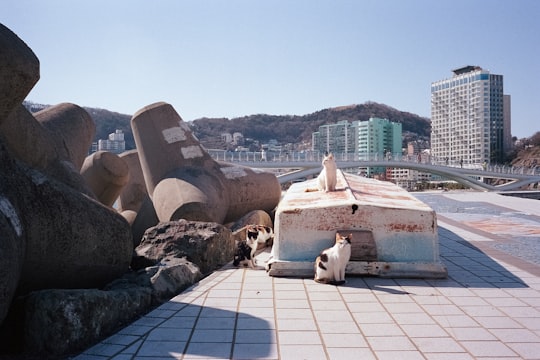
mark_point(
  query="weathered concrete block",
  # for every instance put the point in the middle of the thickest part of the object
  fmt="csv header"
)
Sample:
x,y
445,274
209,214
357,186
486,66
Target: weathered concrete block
x,y
19,71
185,182
394,234
27,140
71,128
106,174
71,240
133,202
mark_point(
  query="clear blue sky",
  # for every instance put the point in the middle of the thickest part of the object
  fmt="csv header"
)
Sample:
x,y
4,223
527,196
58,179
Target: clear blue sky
x,y
233,58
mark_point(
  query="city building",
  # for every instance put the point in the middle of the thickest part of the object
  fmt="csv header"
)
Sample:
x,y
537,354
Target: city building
x,y
371,139
374,139
335,138
377,138
114,144
469,124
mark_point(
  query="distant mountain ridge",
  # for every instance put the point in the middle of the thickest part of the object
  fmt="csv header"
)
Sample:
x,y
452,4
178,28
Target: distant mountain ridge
x,y
295,129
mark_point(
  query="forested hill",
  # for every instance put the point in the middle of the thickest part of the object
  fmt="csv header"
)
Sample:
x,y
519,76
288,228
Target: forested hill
x,y
297,129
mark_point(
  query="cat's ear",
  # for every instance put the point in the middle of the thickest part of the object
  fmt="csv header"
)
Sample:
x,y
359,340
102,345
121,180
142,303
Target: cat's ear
x,y
338,236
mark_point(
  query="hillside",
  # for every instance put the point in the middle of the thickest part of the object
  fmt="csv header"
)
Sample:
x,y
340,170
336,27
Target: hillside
x,y
297,129
294,129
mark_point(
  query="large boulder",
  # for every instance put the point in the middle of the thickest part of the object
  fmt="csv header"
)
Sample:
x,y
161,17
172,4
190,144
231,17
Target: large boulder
x,y
19,71
67,239
208,245
62,322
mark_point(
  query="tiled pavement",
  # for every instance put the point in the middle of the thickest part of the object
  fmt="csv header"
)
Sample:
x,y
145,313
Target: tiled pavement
x,y
488,308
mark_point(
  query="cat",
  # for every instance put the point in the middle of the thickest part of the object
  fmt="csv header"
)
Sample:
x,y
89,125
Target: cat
x,y
262,235
330,264
243,254
256,235
327,179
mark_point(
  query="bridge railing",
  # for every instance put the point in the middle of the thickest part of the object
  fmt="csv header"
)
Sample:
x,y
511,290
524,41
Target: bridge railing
x,y
316,157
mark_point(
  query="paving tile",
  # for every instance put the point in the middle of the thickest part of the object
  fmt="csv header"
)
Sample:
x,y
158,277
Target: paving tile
x,y
296,324
168,334
526,350
255,351
298,337
342,353
252,336
365,307
388,343
253,302
334,327
381,330
516,336
296,352
328,305
290,294
400,308
216,323
208,350
294,314
471,333
423,330
413,319
488,348
344,340
291,304
324,296
438,345
179,322
212,335
161,348
257,312
497,322
332,315
401,355
451,321
378,317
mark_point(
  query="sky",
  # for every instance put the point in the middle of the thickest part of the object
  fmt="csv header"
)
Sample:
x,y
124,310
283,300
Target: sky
x,y
217,58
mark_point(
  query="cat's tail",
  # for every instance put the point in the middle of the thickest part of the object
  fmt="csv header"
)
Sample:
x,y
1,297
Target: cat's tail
x,y
311,190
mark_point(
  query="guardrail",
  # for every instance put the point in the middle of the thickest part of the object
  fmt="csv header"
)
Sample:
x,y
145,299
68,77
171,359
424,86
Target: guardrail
x,y
316,157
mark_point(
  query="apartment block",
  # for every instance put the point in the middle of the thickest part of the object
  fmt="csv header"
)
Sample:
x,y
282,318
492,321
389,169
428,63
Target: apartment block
x,y
468,118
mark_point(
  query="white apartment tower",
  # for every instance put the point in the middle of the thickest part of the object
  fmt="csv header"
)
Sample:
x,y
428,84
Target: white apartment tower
x,y
468,118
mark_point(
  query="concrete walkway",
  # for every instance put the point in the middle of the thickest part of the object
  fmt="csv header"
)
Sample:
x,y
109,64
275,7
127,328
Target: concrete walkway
x,y
488,308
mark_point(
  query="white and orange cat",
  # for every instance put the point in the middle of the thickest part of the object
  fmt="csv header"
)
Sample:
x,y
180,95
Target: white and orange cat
x,y
327,179
330,264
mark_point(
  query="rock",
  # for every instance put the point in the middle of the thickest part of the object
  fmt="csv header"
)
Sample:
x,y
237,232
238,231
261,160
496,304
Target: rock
x,y
61,322
19,71
207,245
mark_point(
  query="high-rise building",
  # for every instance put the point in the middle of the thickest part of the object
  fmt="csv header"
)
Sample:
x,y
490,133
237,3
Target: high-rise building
x,y
114,144
469,124
379,137
364,139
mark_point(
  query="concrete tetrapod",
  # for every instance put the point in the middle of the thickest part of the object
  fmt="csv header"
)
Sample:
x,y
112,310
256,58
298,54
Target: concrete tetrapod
x,y
185,182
